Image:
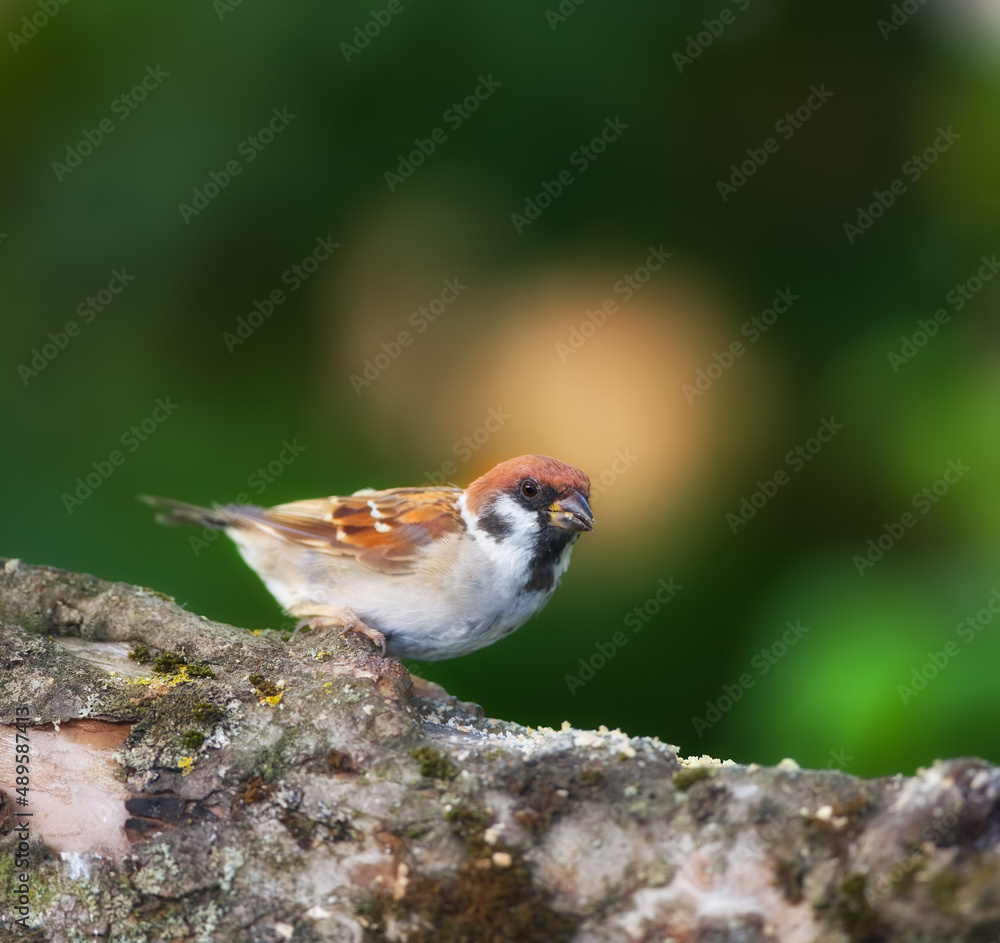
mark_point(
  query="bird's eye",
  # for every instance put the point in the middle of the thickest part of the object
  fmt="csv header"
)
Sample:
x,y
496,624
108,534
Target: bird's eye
x,y
529,487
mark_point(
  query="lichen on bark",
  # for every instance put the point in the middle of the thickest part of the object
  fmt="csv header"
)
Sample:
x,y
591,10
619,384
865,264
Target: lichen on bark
x,y
265,788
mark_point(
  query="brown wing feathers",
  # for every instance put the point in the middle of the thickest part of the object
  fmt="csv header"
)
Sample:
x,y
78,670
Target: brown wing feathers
x,y
381,528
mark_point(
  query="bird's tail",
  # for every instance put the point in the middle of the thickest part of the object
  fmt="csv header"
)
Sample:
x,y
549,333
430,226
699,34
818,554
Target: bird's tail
x,y
178,512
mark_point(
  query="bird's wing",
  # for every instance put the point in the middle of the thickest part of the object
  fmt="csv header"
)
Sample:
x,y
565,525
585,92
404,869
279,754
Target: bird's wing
x,y
382,529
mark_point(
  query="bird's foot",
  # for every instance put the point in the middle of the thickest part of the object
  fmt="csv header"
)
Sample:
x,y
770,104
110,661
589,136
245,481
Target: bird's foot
x,y
345,620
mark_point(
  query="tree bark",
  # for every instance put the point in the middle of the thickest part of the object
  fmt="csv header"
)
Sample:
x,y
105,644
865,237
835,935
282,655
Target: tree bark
x,y
192,781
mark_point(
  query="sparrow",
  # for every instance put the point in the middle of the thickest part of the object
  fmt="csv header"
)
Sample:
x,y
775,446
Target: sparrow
x,y
425,572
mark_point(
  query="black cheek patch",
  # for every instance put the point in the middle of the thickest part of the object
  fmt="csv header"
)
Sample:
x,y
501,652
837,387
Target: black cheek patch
x,y
495,525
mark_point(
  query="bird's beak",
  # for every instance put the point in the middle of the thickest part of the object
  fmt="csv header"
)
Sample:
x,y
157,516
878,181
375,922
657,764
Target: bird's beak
x,y
572,512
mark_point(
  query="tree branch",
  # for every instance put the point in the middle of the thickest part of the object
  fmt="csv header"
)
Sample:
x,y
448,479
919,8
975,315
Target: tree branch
x,y
194,781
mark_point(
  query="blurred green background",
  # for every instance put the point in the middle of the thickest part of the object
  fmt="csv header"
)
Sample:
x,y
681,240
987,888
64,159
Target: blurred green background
x,y
96,174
